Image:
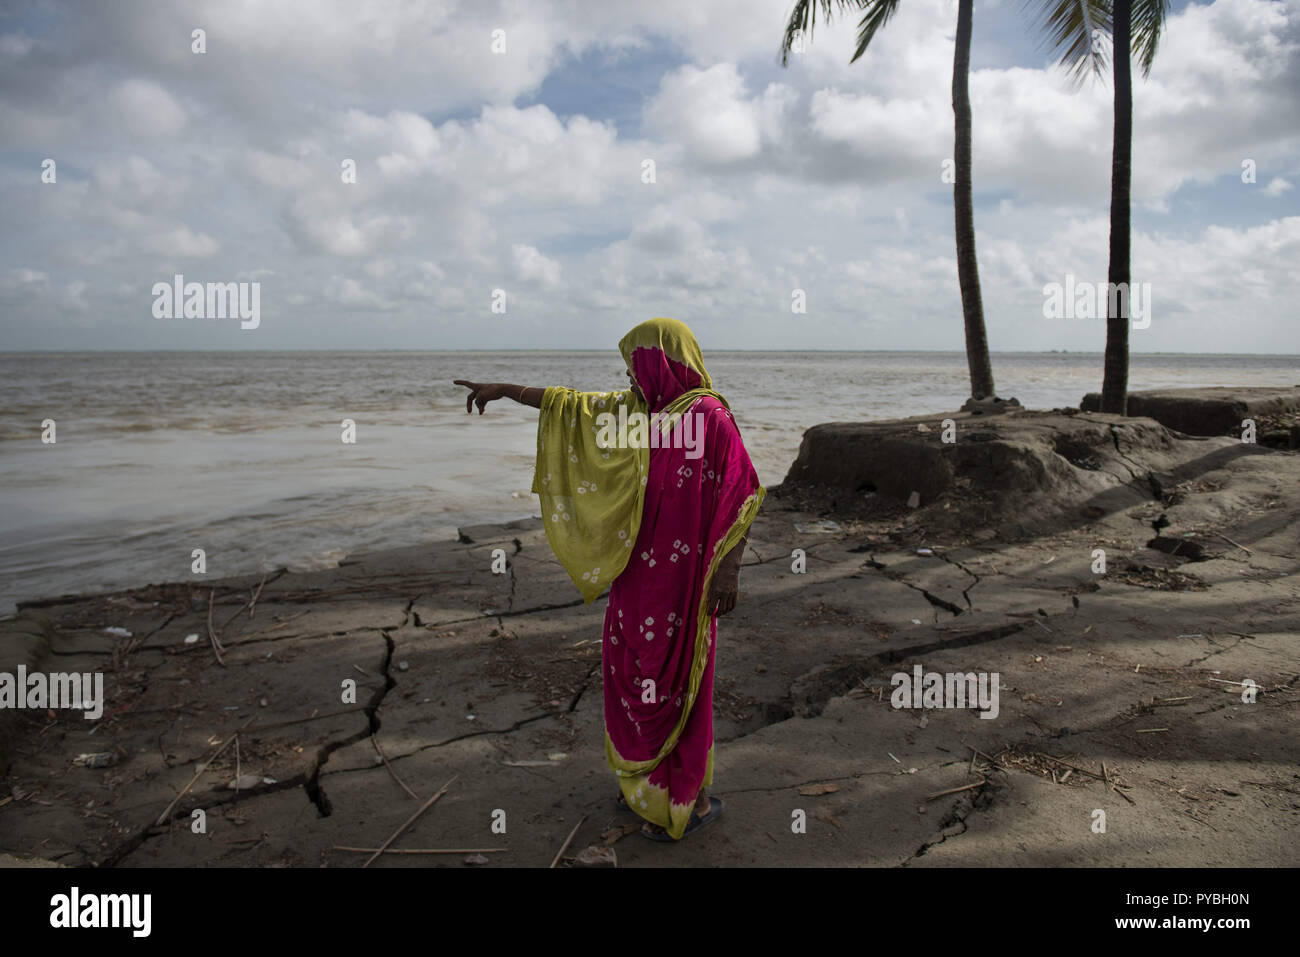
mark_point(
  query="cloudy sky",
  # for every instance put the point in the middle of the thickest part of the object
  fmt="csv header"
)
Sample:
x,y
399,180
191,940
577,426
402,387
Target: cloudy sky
x,y
523,171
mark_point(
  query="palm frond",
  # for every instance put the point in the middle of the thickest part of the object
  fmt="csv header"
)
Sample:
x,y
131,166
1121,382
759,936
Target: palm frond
x,y
803,20
1071,26
1148,22
877,15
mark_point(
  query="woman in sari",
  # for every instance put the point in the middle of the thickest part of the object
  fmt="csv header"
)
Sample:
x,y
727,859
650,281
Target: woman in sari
x,y
649,492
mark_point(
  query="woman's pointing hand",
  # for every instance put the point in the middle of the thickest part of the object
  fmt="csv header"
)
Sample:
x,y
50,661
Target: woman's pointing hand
x,y
480,393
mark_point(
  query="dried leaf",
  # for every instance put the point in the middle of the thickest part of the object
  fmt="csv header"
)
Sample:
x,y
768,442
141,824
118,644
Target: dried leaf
x,y
813,790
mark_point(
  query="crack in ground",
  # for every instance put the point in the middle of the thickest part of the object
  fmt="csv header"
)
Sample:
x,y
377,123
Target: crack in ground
x,y
573,705
486,615
830,681
800,784
1218,651
966,592
807,549
934,600
309,781
460,737
954,825
315,793
1136,470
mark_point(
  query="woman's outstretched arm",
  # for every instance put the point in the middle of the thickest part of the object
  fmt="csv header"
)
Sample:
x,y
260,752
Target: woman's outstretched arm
x,y
481,393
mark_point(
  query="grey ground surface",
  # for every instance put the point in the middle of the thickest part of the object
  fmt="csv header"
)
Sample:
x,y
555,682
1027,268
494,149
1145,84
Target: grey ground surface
x,y
493,680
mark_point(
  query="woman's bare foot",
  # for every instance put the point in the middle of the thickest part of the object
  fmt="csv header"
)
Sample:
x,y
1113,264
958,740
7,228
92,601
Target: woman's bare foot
x,y
701,811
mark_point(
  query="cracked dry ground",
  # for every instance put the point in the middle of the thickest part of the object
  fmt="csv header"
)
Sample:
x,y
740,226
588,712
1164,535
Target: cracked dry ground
x,y
1091,666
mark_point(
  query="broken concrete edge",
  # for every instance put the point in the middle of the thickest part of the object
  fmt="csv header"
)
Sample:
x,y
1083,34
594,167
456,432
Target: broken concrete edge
x,y
25,642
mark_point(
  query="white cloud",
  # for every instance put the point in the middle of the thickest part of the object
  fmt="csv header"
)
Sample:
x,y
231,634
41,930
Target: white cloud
x,y
319,224
185,243
532,266
145,109
349,292
709,113
278,172
1276,187
825,176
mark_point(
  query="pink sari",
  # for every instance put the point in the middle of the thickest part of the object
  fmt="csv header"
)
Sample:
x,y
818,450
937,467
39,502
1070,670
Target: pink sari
x,y
659,636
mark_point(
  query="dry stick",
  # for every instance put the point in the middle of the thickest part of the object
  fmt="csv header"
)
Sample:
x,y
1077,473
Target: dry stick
x,y
1231,542
212,635
409,821
1093,774
1113,786
248,604
993,764
424,850
568,840
383,757
253,604
261,631
967,787
176,800
1148,730
1066,776
1258,784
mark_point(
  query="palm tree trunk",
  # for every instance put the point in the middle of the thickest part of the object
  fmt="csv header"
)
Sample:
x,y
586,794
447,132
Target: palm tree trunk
x,y
977,346
1114,389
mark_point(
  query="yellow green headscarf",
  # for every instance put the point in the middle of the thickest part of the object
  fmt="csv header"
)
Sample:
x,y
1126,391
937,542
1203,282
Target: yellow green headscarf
x,y
591,497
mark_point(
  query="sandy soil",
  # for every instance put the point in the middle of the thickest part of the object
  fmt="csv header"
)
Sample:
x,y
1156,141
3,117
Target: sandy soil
x,y
1134,674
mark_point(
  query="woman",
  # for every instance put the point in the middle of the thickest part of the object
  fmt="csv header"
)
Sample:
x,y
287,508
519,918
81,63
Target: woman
x,y
659,516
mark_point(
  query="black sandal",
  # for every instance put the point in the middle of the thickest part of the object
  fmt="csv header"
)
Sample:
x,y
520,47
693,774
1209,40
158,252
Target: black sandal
x,y
716,807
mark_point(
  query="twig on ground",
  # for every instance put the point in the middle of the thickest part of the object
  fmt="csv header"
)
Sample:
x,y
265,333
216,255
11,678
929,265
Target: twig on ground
x,y
1270,784
1092,774
212,635
1231,542
383,757
409,821
162,818
966,787
568,840
253,603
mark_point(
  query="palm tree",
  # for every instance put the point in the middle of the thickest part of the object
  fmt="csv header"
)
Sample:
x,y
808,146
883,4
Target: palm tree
x,y
1134,27
877,13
